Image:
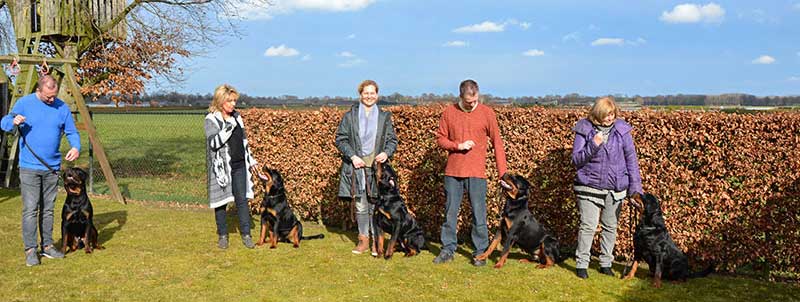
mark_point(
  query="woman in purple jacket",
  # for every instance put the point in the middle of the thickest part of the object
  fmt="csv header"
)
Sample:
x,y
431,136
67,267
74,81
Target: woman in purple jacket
x,y
608,171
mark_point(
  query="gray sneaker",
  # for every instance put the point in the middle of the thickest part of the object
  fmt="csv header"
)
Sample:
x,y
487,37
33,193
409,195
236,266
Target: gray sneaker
x,y
51,252
478,263
248,241
223,242
31,257
443,257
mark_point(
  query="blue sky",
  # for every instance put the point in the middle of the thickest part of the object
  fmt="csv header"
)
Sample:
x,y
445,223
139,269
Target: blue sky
x,y
512,48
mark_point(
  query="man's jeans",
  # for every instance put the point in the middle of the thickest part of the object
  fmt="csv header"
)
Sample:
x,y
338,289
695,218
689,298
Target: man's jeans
x,y
454,188
38,190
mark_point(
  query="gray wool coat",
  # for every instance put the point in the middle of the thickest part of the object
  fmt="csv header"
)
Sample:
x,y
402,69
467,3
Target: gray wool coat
x,y
218,132
349,144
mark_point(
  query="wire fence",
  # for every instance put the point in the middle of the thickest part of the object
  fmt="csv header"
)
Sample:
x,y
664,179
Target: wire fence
x,y
155,156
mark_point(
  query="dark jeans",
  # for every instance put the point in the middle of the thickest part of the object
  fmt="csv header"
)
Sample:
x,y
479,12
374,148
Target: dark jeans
x,y
239,189
38,190
454,188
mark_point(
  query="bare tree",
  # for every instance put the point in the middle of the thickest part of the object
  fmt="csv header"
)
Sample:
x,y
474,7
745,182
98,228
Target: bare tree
x,y
159,33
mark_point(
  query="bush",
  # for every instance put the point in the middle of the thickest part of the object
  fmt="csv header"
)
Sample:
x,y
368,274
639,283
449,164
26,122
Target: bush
x,y
728,183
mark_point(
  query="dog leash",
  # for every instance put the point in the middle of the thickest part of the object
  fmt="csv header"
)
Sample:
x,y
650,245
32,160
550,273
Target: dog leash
x,y
630,231
25,143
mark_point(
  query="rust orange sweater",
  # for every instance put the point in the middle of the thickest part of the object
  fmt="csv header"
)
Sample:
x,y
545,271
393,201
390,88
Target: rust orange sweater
x,y
457,126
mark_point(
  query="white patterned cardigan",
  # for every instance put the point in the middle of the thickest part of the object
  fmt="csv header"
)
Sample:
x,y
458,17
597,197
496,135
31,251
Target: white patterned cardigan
x,y
218,132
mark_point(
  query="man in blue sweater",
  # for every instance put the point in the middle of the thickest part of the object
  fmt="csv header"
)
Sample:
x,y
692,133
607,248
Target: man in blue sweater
x,y
42,119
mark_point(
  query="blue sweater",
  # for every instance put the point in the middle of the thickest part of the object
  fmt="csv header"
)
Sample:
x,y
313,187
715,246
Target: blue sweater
x,y
42,129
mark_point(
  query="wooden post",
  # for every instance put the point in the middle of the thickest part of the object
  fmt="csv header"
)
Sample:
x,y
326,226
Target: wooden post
x,y
100,152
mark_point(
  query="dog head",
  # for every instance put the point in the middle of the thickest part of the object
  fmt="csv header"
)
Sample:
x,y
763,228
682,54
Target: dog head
x,y
386,176
75,181
653,216
273,186
273,182
515,187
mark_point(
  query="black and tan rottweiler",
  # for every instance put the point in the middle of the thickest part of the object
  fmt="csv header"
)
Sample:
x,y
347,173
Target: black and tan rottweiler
x,y
519,227
653,244
393,217
77,215
276,214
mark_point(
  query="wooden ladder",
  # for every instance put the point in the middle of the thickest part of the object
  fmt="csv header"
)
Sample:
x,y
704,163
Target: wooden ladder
x,y
25,81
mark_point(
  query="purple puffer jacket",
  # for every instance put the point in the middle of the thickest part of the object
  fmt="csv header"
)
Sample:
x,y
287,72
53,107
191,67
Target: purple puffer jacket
x,y
612,165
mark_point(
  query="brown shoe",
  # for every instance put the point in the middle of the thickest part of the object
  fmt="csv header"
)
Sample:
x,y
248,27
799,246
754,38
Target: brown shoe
x,y
363,245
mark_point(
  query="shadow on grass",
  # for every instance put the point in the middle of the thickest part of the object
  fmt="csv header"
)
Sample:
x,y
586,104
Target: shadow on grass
x,y
103,220
8,197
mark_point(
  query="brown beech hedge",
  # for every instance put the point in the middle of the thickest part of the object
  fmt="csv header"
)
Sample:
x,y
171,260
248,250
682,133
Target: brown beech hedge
x,y
729,184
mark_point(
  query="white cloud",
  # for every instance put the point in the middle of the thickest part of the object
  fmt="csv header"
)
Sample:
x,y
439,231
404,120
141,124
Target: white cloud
x,y
346,54
796,6
281,51
455,44
794,79
573,36
352,63
639,41
328,5
485,27
351,36
259,10
306,58
489,26
608,41
764,60
533,53
694,13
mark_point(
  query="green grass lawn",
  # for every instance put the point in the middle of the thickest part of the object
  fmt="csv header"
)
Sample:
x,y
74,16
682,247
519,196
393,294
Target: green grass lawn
x,y
156,253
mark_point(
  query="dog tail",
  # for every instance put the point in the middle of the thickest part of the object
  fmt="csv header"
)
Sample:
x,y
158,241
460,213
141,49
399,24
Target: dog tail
x,y
708,270
318,236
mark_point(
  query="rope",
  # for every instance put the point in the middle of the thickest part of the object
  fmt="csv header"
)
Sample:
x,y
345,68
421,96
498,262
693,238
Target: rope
x,y
13,69
630,231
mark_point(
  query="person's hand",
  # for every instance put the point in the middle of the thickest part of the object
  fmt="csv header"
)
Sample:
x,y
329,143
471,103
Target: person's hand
x,y
358,163
598,139
72,154
381,157
19,119
467,145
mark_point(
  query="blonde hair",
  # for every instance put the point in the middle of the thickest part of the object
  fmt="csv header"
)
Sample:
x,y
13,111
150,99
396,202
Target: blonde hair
x,y
222,94
366,83
603,107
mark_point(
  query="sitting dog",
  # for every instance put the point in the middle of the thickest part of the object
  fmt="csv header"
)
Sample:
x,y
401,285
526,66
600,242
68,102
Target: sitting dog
x,y
275,212
77,225
393,217
518,226
653,244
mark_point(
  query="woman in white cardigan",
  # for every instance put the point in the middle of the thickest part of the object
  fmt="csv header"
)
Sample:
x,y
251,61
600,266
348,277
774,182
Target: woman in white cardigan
x,y
229,163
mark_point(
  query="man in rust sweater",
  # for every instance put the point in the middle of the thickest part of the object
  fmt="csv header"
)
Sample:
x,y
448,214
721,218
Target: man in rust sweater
x,y
463,131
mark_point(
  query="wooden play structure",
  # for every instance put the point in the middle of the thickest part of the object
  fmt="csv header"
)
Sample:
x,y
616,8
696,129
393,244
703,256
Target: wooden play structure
x,y
60,25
